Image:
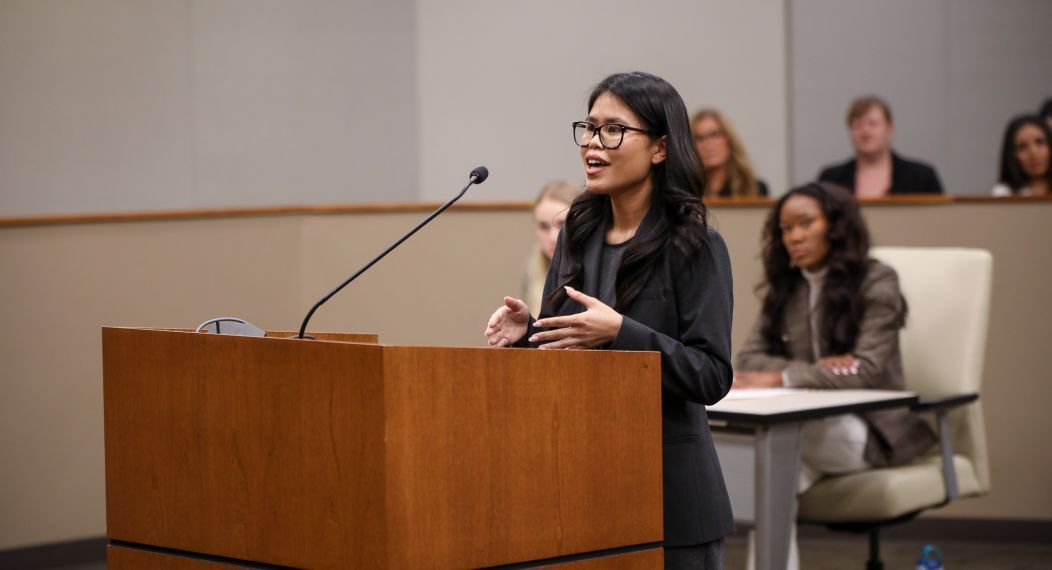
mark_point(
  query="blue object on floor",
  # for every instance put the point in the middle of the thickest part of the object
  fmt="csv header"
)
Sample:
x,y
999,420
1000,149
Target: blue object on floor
x,y
931,559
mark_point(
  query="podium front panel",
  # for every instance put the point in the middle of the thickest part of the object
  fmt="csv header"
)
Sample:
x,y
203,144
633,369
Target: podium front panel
x,y
334,454
259,449
500,456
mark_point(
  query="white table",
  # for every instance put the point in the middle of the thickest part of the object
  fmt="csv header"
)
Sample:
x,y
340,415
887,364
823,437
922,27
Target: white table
x,y
758,440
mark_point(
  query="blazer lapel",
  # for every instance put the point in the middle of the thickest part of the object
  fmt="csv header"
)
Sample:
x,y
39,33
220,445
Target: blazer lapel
x,y
896,174
592,254
797,323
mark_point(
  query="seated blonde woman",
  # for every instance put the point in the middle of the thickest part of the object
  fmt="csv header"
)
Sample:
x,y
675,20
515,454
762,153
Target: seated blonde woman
x,y
728,173
549,215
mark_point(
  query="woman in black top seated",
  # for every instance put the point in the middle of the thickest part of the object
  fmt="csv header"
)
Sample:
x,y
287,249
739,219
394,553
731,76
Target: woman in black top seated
x,y
728,173
637,268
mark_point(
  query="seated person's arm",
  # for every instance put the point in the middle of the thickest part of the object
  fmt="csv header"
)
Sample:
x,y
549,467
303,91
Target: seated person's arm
x,y
877,341
754,357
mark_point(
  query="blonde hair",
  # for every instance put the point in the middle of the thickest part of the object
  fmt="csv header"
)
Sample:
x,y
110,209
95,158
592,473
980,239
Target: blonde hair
x,y
538,264
739,170
558,191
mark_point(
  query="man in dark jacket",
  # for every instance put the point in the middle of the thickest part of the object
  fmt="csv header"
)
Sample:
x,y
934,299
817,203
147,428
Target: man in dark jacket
x,y
876,171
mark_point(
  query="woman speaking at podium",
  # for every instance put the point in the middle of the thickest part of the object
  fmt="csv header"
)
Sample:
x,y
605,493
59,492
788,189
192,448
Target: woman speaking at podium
x,y
637,268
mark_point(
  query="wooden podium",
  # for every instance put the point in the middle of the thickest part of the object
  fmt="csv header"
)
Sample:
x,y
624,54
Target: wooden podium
x,y
226,451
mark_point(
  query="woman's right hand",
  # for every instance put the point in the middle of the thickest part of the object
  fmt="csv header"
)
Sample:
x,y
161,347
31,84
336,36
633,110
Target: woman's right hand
x,y
508,323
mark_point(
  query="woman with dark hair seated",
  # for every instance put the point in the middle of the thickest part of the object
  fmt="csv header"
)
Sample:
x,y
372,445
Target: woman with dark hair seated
x,y
830,319
1025,166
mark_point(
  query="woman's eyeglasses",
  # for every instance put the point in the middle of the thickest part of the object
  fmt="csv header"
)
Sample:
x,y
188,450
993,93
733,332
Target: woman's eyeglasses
x,y
611,135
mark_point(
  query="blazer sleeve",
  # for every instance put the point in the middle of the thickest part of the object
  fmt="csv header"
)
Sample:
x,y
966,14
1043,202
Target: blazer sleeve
x,y
696,366
754,357
877,340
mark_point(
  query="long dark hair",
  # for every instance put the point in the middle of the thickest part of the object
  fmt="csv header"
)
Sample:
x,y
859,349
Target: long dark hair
x,y
847,263
676,215
1012,174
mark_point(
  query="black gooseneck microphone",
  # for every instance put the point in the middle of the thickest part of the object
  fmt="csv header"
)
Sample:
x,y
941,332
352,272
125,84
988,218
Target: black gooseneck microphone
x,y
477,176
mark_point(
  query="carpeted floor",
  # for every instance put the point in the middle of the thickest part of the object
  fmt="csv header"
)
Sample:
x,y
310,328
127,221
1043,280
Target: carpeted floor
x,y
851,554
848,554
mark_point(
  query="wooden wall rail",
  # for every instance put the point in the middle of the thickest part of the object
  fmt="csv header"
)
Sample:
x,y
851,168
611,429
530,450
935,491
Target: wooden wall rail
x,y
326,209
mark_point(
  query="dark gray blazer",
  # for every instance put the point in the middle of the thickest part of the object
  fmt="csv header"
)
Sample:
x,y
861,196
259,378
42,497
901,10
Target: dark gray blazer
x,y
683,312
895,436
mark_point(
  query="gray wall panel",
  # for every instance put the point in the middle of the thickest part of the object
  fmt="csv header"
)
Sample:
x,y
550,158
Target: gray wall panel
x,y
304,102
954,72
500,82
843,49
117,105
94,106
1000,65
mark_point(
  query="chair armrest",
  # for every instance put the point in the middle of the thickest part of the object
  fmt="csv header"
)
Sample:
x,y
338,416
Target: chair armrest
x,y
944,403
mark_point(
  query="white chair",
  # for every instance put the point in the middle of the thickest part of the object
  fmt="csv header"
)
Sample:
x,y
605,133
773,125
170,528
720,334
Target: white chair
x,y
948,292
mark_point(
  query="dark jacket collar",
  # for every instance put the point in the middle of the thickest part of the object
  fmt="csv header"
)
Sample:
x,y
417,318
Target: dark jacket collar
x,y
896,168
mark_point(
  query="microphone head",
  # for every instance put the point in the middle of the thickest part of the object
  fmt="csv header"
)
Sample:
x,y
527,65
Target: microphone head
x,y
480,174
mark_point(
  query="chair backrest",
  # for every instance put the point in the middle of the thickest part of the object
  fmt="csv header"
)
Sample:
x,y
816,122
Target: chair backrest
x,y
944,342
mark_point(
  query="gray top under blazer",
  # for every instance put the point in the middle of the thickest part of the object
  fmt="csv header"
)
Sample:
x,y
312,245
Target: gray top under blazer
x,y
683,312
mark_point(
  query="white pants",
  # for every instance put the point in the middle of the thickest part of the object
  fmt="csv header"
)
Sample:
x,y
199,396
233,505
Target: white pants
x,y
831,446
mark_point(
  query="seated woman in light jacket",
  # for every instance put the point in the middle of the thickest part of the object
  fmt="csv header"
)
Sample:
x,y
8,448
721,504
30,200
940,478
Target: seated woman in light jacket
x,y
830,319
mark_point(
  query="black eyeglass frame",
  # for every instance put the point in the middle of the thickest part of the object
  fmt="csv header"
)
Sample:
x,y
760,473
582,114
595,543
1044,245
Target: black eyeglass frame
x,y
597,131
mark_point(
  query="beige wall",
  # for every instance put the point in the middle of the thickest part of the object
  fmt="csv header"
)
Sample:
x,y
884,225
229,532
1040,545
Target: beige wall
x,y
61,283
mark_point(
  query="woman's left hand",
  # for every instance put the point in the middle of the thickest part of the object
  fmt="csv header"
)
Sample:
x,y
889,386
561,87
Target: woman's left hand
x,y
760,379
841,365
596,326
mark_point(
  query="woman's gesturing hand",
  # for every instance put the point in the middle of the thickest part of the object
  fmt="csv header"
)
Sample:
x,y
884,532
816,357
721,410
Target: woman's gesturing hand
x,y
596,326
508,323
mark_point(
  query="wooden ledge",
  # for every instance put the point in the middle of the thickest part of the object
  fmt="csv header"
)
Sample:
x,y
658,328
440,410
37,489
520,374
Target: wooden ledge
x,y
1001,199
425,207
253,212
